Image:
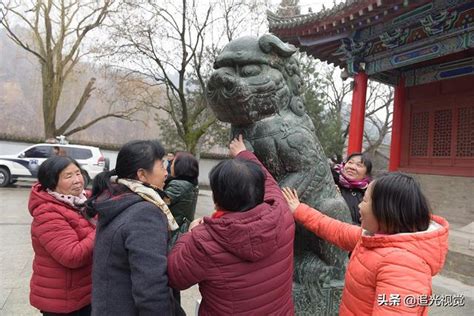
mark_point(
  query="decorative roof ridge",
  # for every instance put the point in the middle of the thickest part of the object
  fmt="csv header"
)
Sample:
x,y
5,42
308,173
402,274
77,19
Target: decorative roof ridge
x,y
277,21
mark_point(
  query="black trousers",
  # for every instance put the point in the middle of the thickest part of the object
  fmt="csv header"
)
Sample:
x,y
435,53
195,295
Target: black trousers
x,y
85,311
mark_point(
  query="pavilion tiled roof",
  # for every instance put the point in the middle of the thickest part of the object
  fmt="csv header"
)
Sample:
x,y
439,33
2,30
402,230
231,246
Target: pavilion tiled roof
x,y
320,34
335,15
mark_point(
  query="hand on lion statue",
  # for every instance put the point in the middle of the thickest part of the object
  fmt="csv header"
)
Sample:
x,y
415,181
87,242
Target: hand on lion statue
x,y
256,86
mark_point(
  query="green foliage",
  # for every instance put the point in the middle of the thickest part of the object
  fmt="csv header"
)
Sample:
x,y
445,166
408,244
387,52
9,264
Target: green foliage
x,y
326,120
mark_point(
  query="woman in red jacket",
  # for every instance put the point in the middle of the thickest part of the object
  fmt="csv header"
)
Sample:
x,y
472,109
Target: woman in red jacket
x,y
241,256
63,239
395,252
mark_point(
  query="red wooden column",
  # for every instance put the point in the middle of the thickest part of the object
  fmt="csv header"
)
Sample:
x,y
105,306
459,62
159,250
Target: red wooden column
x,y
395,145
356,127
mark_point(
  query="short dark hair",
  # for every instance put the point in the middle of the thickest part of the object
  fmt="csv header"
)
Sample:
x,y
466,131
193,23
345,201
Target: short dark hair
x,y
399,205
134,155
51,168
186,165
237,185
364,158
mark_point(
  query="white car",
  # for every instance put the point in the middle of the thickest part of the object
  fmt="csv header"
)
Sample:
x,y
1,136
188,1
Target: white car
x,y
26,163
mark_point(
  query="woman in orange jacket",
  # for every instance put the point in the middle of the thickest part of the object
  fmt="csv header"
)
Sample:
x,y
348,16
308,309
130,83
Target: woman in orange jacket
x,y
395,252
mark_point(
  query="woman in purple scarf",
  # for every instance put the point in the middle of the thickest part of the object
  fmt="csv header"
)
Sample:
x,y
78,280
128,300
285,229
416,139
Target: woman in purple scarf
x,y
352,177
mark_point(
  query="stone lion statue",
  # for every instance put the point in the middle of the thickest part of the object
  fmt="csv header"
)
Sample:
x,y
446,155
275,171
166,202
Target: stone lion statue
x,y
256,87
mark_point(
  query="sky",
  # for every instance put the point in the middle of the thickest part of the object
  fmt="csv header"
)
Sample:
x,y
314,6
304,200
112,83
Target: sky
x,y
315,5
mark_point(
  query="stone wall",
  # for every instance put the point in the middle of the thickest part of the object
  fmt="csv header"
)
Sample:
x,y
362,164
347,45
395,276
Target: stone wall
x,y
450,197
453,198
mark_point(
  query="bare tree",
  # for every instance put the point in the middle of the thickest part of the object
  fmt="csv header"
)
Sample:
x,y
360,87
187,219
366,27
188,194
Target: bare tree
x,y
56,31
328,105
168,45
161,45
335,93
119,95
378,115
236,16
230,19
174,44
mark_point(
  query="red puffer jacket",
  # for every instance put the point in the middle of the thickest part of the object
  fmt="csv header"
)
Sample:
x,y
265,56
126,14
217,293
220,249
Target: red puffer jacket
x,y
243,262
387,274
62,241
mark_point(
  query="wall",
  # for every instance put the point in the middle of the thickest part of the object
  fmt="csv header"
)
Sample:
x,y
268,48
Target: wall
x,y
438,120
205,166
451,197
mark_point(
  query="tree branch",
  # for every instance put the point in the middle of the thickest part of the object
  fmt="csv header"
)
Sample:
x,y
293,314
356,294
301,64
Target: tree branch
x,y
79,107
124,115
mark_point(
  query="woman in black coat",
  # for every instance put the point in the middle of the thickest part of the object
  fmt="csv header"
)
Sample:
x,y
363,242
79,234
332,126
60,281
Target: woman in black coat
x,y
130,255
182,192
182,187
352,178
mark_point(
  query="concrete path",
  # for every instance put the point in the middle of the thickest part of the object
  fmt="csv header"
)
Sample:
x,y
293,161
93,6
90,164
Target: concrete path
x,y
16,257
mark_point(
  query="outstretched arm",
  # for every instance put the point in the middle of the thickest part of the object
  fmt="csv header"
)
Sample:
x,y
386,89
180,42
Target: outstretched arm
x,y
187,261
272,190
339,233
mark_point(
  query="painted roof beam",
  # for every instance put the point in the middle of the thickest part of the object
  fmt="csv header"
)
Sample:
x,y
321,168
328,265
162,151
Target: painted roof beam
x,y
304,41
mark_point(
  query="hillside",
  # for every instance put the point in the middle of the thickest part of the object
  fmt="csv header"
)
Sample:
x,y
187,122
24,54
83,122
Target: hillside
x,y
20,101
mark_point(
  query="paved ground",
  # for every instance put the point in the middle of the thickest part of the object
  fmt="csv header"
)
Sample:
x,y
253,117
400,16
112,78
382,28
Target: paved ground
x,y
16,256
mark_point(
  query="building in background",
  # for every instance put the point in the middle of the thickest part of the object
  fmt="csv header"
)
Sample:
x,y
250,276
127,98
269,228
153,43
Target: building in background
x,y
425,49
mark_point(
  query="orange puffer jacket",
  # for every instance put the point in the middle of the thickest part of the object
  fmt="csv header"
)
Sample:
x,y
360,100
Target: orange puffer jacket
x,y
387,274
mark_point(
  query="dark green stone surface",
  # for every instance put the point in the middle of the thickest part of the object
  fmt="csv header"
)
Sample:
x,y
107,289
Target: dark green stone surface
x,y
256,87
